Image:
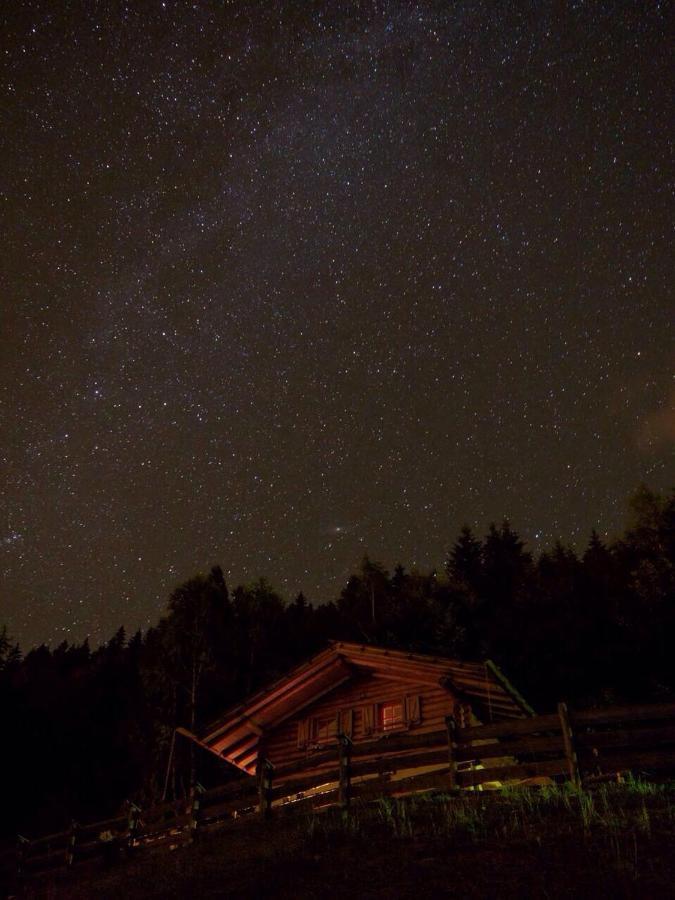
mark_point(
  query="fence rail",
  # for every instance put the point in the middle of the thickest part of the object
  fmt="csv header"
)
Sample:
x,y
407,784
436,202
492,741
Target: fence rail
x,y
576,745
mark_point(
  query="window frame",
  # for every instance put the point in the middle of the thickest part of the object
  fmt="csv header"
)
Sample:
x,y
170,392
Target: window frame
x,y
398,724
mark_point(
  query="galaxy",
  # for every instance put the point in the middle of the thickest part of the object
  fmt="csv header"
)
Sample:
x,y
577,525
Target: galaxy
x,y
285,283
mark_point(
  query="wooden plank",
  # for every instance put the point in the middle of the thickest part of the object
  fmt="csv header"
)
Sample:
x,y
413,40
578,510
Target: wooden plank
x,y
223,725
181,821
314,801
508,773
325,686
310,781
119,823
162,814
633,738
387,786
433,756
167,809
247,763
320,764
393,743
382,764
426,756
519,746
174,839
307,763
226,810
623,714
509,728
625,760
242,747
231,791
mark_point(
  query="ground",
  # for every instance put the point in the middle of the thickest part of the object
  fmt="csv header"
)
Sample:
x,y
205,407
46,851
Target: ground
x,y
615,841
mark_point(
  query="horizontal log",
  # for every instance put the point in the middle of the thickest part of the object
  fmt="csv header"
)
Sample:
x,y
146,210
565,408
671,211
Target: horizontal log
x,y
314,801
519,746
634,738
386,786
614,714
226,809
231,791
627,760
306,763
530,725
380,746
366,757
167,812
119,823
509,773
178,822
362,768
392,743
56,839
432,757
161,840
310,781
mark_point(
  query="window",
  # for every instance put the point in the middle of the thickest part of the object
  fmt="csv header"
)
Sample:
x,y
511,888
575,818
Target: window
x,y
391,716
325,729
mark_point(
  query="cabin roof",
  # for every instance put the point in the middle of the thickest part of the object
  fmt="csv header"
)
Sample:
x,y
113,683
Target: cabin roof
x,y
235,736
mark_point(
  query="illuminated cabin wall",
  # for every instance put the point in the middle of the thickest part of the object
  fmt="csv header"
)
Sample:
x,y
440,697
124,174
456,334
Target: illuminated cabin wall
x,y
365,690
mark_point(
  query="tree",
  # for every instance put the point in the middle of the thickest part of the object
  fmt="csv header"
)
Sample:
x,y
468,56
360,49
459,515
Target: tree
x,y
198,612
464,565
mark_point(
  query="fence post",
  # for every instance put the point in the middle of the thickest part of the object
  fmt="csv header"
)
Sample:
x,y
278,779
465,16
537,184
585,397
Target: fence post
x,y
265,771
22,848
345,771
72,841
194,810
132,825
568,742
451,727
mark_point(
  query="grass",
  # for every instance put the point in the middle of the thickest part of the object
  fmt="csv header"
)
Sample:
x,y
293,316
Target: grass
x,y
551,842
509,813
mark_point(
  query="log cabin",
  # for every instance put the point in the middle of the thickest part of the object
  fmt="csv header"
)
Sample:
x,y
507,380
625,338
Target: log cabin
x,y
391,707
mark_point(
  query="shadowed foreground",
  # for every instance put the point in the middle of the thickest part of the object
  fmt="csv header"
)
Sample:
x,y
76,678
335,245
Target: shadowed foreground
x,y
613,842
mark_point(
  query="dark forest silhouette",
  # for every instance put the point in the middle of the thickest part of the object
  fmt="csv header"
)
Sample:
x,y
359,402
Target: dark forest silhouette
x,y
87,729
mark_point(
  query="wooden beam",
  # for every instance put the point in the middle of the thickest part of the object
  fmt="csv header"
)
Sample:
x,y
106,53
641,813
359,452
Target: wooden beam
x,y
344,761
242,746
568,741
264,772
451,727
624,714
511,727
274,723
247,762
295,684
518,746
509,773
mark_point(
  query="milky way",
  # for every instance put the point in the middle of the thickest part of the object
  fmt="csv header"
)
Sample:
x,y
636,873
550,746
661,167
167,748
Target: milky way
x,y
286,283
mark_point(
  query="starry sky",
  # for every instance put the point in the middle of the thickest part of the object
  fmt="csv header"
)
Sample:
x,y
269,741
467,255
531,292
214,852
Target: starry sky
x,y
285,283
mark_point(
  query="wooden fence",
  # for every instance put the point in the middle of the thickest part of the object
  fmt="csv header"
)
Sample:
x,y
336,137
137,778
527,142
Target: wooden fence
x,y
580,746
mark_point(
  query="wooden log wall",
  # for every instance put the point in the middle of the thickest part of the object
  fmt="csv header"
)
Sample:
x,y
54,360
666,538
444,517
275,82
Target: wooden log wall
x,y
435,704
584,745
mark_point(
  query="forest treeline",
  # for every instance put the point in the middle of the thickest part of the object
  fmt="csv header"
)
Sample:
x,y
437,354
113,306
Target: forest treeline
x,y
85,729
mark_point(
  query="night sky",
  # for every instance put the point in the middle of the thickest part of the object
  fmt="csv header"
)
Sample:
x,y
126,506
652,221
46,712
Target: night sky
x,y
283,283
